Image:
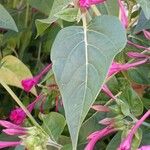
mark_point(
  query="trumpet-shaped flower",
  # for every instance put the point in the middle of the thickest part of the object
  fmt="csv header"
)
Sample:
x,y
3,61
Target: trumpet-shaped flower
x,y
98,135
18,116
29,83
126,143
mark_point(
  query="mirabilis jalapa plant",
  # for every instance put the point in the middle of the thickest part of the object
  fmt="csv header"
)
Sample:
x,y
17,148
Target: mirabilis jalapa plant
x,y
84,59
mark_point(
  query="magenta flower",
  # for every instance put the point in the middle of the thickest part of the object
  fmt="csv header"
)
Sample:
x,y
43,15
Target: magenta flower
x,y
98,135
18,116
88,3
146,34
138,46
126,143
11,129
123,16
4,144
116,67
100,108
146,147
29,83
107,91
137,55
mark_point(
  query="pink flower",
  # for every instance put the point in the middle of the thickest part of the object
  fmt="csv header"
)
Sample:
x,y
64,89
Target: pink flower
x,y
146,147
137,55
100,108
4,144
88,3
29,83
18,116
12,129
123,16
98,135
107,91
146,34
126,143
138,46
116,67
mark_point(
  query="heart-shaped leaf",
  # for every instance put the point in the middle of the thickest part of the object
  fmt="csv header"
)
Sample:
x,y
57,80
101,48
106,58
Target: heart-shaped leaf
x,y
81,58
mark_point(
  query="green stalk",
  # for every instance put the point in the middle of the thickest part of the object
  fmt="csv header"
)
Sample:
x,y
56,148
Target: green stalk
x,y
27,15
95,9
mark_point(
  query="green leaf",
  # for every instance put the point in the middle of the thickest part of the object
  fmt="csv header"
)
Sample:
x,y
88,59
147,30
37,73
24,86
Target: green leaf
x,y
42,5
133,100
140,75
53,124
68,14
137,140
6,21
145,4
56,6
110,7
12,71
114,143
91,125
81,59
143,23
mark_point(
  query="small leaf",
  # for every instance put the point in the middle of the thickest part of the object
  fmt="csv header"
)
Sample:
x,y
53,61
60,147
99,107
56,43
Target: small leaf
x,y
53,124
81,59
145,4
13,71
56,6
68,14
143,23
6,21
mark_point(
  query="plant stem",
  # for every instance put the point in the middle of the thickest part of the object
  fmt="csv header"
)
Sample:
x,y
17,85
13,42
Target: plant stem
x,y
27,15
14,3
96,11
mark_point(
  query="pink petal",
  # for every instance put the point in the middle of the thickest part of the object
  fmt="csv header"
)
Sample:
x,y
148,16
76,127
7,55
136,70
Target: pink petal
x,y
100,108
4,144
88,3
138,46
146,147
98,135
126,143
107,91
136,55
7,124
146,34
14,131
29,83
123,16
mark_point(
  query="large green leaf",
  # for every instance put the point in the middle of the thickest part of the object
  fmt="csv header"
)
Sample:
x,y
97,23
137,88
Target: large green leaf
x,y
81,58
12,71
6,21
145,4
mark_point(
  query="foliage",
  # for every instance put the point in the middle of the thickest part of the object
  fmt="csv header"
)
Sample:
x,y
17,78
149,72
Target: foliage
x,y
96,75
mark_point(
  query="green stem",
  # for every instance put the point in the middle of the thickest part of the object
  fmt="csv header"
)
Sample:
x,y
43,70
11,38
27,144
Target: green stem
x,y
14,3
27,15
96,11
